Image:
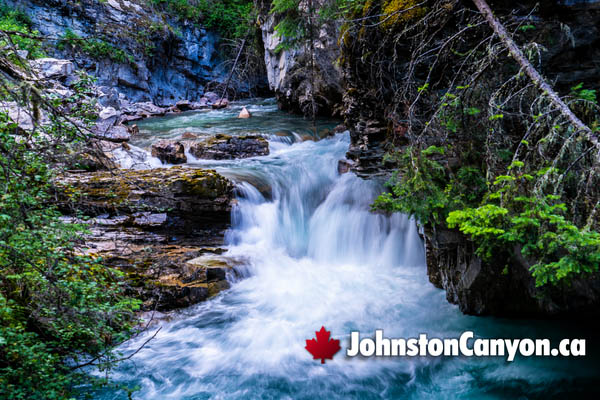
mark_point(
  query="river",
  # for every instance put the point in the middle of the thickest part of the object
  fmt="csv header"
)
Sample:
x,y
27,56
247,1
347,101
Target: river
x,y
317,256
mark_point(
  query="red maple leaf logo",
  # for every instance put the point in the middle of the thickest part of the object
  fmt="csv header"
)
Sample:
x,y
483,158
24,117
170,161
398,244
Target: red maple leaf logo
x,y
323,347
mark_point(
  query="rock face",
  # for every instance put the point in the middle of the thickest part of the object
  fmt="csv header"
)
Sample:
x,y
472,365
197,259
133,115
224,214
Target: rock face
x,y
163,60
160,227
169,152
495,288
183,193
225,147
289,72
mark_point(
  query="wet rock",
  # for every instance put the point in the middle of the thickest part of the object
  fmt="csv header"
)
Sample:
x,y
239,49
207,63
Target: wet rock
x,y
344,166
184,193
189,135
225,147
482,287
169,152
340,129
134,130
183,105
244,113
220,104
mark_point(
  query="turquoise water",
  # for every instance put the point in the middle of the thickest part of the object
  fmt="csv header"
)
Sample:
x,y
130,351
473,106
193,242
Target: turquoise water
x,y
317,256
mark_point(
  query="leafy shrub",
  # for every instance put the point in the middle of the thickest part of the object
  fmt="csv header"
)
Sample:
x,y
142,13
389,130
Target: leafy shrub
x,y
95,48
13,20
59,308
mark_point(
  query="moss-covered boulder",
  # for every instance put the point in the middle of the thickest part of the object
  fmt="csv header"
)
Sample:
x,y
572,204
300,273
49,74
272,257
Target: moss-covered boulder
x,y
188,193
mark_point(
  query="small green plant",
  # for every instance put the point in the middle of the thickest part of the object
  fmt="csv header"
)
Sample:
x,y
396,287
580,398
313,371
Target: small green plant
x,y
584,94
94,48
14,20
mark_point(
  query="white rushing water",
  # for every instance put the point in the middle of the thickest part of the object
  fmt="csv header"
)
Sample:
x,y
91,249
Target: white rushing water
x,y
316,255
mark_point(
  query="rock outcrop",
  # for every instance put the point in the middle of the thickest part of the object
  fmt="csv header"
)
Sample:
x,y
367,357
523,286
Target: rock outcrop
x,y
163,60
169,151
161,227
225,147
377,108
289,72
183,193
497,288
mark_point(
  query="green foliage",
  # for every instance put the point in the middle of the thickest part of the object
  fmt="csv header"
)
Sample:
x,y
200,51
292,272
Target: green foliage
x,y
59,307
584,94
422,187
231,18
95,48
13,20
538,225
293,25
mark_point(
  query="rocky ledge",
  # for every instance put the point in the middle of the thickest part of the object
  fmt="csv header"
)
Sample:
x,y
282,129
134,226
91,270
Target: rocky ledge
x,y
498,288
161,227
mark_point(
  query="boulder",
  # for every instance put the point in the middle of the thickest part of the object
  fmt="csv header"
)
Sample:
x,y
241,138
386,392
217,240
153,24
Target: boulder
x,y
211,97
52,68
183,105
344,166
244,113
22,116
106,129
169,152
188,193
225,147
220,104
108,112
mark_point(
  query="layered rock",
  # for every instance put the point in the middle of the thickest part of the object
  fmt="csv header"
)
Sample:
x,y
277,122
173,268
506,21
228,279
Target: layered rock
x,y
163,60
289,70
225,147
183,193
497,288
161,227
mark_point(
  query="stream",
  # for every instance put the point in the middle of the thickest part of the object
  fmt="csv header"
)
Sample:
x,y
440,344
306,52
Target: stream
x,y
316,255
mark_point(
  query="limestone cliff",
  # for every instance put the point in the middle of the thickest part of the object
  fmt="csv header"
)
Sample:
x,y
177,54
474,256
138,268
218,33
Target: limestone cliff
x,y
143,54
289,72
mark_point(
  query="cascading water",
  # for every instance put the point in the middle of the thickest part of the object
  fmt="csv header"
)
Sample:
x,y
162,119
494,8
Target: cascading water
x,y
315,255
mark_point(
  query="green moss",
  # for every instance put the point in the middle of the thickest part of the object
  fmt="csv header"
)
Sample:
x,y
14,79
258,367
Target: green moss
x,y
401,11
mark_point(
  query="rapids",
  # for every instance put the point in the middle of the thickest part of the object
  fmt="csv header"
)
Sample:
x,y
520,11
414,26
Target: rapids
x,y
316,255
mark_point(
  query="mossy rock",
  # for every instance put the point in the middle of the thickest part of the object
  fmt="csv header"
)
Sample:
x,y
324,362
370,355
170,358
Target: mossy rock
x,y
176,190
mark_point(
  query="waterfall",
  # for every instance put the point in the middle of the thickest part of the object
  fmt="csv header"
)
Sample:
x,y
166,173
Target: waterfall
x,y
316,255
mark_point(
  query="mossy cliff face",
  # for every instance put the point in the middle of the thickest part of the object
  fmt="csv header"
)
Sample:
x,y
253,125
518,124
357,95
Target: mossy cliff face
x,y
383,79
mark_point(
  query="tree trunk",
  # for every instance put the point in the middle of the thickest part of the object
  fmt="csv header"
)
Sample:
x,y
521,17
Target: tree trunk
x,y
533,74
